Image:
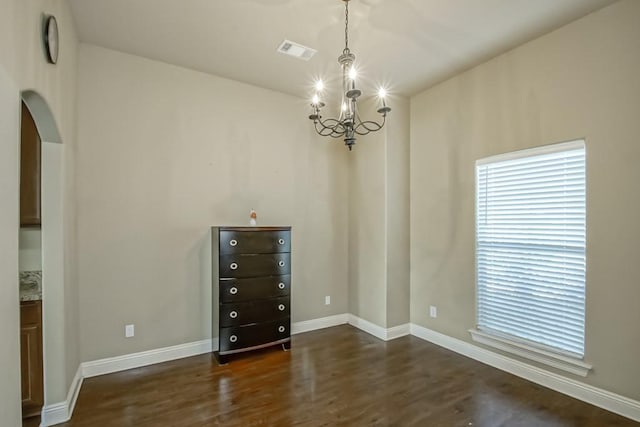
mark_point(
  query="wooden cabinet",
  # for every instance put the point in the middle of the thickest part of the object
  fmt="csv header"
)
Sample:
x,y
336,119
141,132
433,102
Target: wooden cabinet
x,y
252,283
31,357
30,158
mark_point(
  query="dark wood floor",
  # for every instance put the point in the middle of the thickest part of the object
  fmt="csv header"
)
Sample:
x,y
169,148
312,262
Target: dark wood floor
x,y
31,421
332,377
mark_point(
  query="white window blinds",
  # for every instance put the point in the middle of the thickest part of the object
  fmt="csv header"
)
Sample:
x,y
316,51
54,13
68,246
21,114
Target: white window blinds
x,y
530,246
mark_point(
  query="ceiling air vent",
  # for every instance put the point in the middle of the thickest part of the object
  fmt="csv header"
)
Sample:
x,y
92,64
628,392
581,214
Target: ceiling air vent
x,y
296,50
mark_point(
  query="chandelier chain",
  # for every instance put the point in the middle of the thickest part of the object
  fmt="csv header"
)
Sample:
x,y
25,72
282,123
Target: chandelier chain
x,y
346,25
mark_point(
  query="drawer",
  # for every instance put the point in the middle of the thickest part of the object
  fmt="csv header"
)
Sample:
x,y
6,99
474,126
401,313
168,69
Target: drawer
x,y
251,265
242,313
254,242
243,337
234,290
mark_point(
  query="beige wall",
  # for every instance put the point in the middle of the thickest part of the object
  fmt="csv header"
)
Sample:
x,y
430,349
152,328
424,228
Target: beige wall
x,y
367,216
579,81
397,208
379,220
165,153
22,57
9,222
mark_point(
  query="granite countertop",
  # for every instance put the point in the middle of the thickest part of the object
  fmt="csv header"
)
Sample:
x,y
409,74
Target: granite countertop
x,y
30,285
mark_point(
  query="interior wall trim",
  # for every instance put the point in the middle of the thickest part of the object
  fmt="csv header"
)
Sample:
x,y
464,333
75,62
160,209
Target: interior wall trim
x,y
379,332
321,323
559,361
136,360
368,327
145,358
398,331
587,393
61,412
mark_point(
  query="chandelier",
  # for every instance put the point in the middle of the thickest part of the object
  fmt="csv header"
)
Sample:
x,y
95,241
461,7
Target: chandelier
x,y
348,124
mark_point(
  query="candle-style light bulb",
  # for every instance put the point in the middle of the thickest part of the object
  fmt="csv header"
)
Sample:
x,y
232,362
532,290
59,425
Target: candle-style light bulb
x,y
353,73
315,100
382,93
319,85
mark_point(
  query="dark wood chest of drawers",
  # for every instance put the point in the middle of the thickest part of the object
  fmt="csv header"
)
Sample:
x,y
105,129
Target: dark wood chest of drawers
x,y
251,284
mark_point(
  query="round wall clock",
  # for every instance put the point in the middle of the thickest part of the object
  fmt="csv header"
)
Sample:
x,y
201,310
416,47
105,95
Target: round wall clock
x,y
50,36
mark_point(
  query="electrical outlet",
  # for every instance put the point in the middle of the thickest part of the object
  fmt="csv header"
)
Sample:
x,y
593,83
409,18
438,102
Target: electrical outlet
x,y
327,300
433,311
129,331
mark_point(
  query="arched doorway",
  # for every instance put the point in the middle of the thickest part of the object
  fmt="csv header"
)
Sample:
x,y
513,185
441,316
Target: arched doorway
x,y
52,247
30,267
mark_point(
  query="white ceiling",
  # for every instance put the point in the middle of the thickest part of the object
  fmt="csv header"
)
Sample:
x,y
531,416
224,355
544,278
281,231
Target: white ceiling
x,y
408,45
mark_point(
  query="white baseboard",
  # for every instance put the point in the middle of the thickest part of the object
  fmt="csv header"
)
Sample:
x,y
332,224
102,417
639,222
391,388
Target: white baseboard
x,y
379,331
321,323
145,358
74,390
136,360
368,327
55,414
398,331
596,396
61,412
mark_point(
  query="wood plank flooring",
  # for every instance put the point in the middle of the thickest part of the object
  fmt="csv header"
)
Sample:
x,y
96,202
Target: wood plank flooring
x,y
31,421
332,377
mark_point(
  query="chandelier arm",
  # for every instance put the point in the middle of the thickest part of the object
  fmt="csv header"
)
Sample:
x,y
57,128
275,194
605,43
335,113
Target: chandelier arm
x,y
368,126
330,127
326,131
334,124
323,131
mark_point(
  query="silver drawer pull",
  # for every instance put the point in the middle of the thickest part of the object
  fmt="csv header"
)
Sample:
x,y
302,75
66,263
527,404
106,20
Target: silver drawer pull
x,y
233,266
281,328
281,285
281,263
233,338
233,314
233,242
233,290
281,307
281,241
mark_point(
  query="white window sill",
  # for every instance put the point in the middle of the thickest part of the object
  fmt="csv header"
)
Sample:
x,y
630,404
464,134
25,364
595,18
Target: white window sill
x,y
556,360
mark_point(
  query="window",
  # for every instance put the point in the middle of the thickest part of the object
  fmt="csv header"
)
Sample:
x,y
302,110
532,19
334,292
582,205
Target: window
x,y
530,247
